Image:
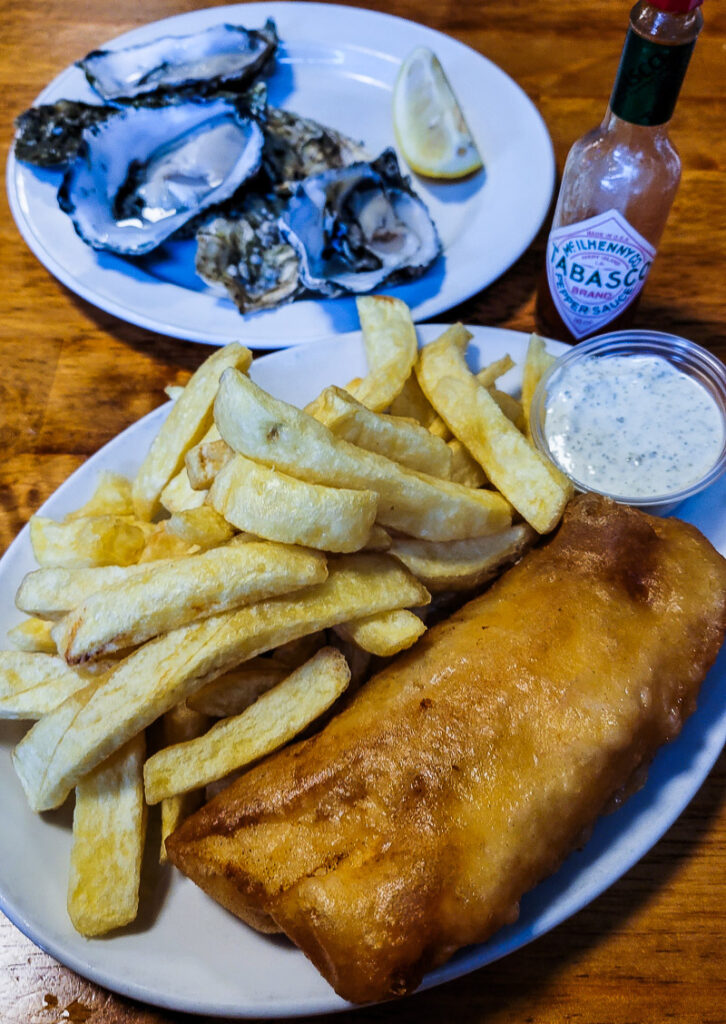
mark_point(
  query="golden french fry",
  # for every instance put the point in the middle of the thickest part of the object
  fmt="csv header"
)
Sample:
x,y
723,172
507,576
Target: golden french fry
x,y
511,408
173,391
462,564
189,419
205,460
51,593
491,373
201,527
179,495
379,539
464,467
32,635
526,478
33,683
389,337
399,439
179,725
275,505
274,719
109,827
180,591
112,497
98,719
537,361
279,435
231,693
413,404
89,541
384,634
162,544
295,652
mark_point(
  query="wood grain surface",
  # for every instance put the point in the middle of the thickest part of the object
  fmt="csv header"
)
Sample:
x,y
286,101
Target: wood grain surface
x,y
653,947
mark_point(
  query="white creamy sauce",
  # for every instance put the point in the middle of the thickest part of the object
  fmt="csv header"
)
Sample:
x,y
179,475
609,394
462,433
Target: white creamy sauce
x,y
632,426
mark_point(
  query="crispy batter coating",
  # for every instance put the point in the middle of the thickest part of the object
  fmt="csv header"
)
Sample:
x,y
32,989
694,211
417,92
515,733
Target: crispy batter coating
x,y
469,767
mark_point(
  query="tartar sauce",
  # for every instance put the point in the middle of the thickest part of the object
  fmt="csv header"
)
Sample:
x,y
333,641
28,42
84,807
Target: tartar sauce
x,y
632,426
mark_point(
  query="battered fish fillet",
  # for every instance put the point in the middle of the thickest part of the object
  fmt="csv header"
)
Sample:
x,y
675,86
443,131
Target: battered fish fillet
x,y
469,767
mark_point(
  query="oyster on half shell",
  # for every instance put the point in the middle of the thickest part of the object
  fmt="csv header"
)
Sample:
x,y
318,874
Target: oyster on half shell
x,y
221,57
139,176
358,227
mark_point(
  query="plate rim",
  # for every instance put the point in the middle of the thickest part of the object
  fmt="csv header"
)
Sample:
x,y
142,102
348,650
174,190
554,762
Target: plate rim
x,y
151,293
471,958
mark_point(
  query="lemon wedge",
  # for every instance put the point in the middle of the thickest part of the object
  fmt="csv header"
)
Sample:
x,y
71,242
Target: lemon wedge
x,y
430,128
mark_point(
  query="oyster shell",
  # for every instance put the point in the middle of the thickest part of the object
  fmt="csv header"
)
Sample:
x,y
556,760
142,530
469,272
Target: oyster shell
x,y
296,147
358,227
139,176
223,56
249,255
49,135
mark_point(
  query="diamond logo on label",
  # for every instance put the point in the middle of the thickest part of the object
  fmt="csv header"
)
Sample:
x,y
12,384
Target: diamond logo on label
x,y
595,269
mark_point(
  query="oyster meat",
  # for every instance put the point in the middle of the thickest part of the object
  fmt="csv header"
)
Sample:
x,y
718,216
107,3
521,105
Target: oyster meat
x,y
222,57
140,175
357,227
248,254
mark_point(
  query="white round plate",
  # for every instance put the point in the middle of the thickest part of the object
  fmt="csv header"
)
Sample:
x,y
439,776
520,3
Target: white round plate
x,y
337,65
185,952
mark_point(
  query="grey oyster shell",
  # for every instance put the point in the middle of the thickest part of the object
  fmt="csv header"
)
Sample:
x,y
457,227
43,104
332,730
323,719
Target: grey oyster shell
x,y
358,227
297,147
140,175
49,135
223,56
248,254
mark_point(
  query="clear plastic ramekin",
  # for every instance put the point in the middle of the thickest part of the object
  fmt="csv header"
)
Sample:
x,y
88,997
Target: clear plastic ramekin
x,y
696,362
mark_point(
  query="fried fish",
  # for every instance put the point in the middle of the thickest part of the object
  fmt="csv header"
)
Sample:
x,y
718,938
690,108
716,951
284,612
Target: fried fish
x,y
469,768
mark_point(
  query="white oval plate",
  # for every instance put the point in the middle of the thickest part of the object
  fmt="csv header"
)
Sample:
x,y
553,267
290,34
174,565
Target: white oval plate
x,y
187,953
337,65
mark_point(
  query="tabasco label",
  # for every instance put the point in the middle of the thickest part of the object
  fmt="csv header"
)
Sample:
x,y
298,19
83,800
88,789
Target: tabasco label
x,y
595,269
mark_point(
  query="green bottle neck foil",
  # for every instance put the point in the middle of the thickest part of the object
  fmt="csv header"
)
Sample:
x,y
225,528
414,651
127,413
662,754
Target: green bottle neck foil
x,y
649,79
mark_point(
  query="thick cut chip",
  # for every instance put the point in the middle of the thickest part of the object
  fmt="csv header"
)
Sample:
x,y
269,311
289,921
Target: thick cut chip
x,y
464,467
205,460
275,433
112,497
200,527
50,593
163,544
399,439
462,564
511,408
231,693
526,478
413,404
384,634
100,718
179,495
273,720
268,503
179,725
184,590
33,683
389,337
189,419
537,361
109,828
491,373
88,541
32,635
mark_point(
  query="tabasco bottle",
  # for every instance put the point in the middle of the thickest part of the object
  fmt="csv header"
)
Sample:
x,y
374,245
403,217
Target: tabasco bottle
x,y
619,182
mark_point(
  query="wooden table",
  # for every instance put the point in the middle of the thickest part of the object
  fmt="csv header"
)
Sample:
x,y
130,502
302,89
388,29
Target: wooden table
x,y
653,947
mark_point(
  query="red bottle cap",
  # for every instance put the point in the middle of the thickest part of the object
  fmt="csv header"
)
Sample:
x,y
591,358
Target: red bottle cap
x,y
676,6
